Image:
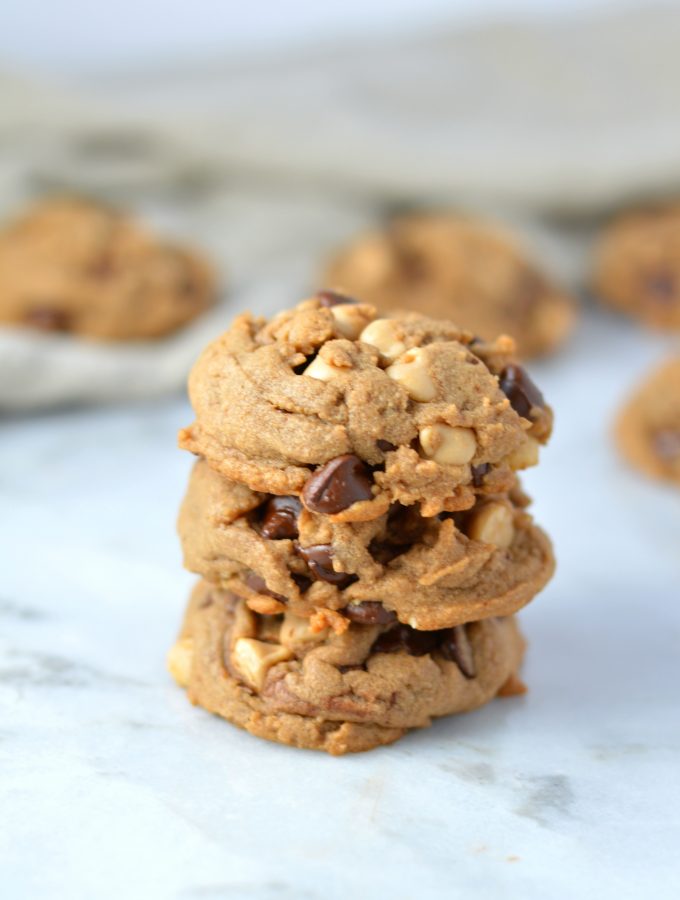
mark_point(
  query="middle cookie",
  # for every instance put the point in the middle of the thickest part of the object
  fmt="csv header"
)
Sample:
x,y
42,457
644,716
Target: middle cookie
x,y
429,572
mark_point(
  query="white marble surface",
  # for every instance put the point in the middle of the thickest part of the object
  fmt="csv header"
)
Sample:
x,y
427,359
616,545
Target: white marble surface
x,y
112,786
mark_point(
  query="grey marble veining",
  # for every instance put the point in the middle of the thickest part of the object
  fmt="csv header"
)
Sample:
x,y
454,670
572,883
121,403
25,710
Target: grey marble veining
x,y
112,786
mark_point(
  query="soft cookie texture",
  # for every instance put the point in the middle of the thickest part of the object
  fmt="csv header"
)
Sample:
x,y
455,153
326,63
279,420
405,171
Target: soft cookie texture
x,y
342,693
430,573
75,266
648,427
352,412
451,267
637,267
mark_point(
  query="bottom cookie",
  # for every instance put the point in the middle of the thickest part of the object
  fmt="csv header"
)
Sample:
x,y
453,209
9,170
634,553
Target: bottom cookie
x,y
342,693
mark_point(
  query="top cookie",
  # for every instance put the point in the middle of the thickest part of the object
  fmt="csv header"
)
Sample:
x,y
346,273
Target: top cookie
x,y
75,266
637,267
453,268
354,412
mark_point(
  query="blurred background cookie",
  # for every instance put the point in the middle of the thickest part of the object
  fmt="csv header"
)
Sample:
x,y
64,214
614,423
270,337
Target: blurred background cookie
x,y
460,269
74,265
637,267
648,427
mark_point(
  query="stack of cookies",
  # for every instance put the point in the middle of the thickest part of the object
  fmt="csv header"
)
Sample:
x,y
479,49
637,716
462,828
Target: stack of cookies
x,y
357,522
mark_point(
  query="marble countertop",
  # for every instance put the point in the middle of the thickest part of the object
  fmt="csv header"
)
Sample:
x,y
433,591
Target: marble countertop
x,y
112,785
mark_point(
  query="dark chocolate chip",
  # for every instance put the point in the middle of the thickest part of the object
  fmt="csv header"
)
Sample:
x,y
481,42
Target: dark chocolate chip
x,y
520,390
301,581
403,637
102,267
478,473
385,446
47,318
332,298
280,519
661,286
369,612
385,551
259,585
338,484
299,369
319,558
667,444
456,647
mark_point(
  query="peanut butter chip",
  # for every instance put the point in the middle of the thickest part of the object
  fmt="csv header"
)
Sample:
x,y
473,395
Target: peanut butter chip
x,y
253,659
180,660
411,373
447,445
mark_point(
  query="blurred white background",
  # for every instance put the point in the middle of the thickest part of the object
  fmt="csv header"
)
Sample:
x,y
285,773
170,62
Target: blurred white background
x,y
72,36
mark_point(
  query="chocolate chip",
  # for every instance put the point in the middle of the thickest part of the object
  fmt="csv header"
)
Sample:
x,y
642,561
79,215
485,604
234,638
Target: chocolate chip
x,y
478,473
456,648
47,318
102,267
369,612
520,390
300,368
301,581
338,484
319,558
385,446
385,551
661,286
667,444
280,519
403,637
259,585
332,298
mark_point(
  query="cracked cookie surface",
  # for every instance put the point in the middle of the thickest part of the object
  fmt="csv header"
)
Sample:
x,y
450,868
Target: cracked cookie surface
x,y
648,426
276,678
428,572
456,268
75,266
637,266
353,413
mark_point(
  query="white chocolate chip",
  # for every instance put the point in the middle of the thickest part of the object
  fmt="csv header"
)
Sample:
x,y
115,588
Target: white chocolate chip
x,y
385,336
254,659
296,630
525,456
411,373
319,369
448,445
493,524
180,661
351,319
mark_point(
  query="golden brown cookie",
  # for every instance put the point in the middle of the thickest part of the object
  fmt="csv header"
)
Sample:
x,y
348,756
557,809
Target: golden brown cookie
x,y
75,266
353,413
648,427
278,679
450,267
637,267
430,573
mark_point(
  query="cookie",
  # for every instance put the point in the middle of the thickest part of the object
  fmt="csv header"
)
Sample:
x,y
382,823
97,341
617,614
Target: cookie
x,y
75,266
637,266
450,267
353,413
648,427
342,693
430,573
